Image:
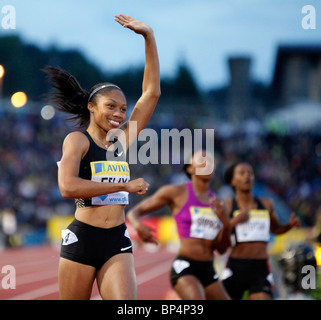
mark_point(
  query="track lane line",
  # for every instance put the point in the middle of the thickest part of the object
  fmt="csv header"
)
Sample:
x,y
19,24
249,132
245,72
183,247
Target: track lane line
x,y
37,293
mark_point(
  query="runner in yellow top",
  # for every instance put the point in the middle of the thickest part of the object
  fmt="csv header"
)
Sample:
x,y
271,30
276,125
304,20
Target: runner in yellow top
x,y
252,220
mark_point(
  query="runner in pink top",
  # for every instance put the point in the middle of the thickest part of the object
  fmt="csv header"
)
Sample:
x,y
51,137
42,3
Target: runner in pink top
x,y
202,225
196,219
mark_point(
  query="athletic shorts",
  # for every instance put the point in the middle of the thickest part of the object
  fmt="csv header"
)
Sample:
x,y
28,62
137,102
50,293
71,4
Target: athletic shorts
x,y
93,246
202,270
247,274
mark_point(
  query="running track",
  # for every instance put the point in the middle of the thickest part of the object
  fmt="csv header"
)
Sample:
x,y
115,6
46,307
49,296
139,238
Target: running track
x,y
36,274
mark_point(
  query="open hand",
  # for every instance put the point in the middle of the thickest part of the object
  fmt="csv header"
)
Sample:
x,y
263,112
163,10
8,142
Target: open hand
x,y
243,216
294,222
220,210
146,234
132,24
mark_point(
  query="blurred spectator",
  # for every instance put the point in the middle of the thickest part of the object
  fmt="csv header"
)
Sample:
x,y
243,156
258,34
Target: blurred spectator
x,y
9,226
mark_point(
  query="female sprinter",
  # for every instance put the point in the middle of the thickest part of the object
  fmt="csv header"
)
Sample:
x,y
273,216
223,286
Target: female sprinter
x,y
252,219
201,230
96,244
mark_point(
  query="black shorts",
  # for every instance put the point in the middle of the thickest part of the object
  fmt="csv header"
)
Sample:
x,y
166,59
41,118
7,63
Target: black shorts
x,y
247,274
93,246
202,270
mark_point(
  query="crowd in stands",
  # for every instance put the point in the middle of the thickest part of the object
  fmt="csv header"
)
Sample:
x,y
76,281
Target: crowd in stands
x,y
289,165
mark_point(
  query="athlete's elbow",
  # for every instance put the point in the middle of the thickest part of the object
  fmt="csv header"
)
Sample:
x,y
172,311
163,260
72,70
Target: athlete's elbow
x,y
67,189
158,93
65,193
153,93
222,248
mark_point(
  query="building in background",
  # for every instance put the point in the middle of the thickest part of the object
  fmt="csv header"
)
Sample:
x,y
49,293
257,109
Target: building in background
x,y
297,74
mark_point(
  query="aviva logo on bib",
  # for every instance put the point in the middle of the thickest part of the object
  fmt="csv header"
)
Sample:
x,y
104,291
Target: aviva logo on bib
x,y
110,168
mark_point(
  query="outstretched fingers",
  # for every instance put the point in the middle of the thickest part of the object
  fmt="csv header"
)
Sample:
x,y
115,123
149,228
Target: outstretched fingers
x,y
123,20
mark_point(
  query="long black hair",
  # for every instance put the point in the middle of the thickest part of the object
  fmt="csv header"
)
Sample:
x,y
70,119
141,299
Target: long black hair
x,y
229,173
70,97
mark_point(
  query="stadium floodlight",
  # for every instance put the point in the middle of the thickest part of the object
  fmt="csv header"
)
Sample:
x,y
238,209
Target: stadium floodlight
x,y
2,71
19,99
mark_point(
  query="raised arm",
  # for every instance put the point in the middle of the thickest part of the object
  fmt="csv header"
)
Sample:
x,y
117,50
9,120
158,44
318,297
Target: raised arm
x,y
146,104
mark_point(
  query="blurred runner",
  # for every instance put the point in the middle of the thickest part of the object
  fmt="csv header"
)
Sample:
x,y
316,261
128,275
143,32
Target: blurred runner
x,y
252,220
202,225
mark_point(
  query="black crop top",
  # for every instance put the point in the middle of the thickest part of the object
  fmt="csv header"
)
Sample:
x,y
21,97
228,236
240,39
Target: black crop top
x,y
101,165
256,228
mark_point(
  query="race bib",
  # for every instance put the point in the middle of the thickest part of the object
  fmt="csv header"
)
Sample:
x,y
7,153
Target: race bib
x,y
111,172
257,228
205,223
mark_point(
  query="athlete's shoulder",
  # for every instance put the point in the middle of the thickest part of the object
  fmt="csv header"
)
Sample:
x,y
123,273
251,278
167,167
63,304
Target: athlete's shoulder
x,y
76,136
171,190
267,202
76,139
178,188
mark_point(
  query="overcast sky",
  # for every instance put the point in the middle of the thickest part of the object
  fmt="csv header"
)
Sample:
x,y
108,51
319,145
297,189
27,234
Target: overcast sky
x,y
203,33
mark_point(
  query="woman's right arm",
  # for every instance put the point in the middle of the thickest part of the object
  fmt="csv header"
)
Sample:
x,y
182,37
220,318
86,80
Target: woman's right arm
x,y
162,197
243,216
146,104
71,185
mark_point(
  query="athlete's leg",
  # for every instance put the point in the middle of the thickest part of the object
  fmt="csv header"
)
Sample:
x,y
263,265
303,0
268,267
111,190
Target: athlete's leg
x,y
75,280
189,288
116,279
261,284
216,291
260,296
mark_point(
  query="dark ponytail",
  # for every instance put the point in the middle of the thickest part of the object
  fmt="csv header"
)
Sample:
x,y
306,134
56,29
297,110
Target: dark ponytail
x,y
69,96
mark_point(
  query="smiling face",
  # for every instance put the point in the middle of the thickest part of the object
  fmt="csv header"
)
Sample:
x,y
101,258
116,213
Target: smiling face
x,y
243,177
108,110
202,165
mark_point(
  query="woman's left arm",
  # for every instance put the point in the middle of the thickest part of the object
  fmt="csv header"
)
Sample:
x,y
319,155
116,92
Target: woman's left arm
x,y
223,240
146,104
276,227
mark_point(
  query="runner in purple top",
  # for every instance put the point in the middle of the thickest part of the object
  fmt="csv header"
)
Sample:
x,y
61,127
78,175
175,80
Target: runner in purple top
x,y
202,225
196,219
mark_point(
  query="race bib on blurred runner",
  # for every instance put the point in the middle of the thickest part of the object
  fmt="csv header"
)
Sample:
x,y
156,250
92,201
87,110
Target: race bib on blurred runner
x,y
257,228
205,223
